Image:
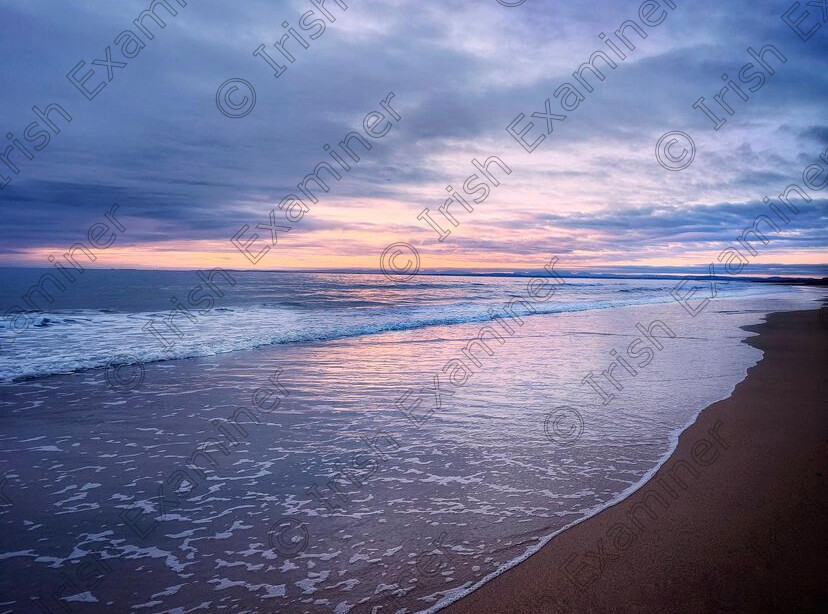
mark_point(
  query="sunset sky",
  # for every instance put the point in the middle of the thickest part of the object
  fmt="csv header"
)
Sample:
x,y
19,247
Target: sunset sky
x,y
187,178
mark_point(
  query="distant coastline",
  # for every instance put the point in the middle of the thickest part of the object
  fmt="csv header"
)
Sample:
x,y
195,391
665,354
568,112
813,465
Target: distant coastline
x,y
814,279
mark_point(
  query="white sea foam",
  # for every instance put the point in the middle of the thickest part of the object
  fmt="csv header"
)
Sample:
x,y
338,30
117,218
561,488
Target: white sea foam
x,y
71,340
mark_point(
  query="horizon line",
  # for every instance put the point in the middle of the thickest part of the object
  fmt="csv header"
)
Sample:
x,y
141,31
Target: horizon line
x,y
643,272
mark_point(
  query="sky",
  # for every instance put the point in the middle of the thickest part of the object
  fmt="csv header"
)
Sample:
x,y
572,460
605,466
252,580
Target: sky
x,y
187,178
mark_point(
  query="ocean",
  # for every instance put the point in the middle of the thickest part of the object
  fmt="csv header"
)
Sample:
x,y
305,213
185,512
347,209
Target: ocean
x,y
376,460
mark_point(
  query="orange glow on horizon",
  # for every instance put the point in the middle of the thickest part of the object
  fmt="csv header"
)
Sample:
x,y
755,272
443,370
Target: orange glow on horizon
x,y
362,250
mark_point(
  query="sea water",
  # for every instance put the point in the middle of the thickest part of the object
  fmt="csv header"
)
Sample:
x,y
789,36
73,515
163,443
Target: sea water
x,y
474,480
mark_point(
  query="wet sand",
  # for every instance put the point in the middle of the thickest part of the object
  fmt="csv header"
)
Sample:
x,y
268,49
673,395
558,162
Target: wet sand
x,y
734,521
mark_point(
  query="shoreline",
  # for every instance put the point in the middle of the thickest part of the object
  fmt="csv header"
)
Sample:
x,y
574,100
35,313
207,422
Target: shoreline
x,y
637,553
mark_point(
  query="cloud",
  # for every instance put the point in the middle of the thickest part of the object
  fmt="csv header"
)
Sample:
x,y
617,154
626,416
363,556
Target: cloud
x,y
154,141
819,134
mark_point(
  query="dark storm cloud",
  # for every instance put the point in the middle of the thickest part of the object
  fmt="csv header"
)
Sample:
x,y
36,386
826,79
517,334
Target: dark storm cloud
x,y
819,134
